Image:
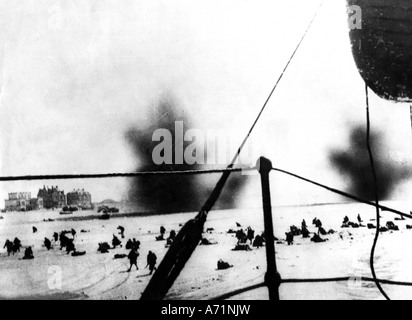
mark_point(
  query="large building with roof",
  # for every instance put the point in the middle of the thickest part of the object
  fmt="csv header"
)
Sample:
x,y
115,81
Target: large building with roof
x,y
52,197
18,201
80,198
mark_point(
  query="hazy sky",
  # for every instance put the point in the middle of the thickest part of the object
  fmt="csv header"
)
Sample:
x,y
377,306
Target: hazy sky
x,y
76,75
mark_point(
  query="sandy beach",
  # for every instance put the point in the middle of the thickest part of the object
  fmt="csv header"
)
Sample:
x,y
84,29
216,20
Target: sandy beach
x,y
100,276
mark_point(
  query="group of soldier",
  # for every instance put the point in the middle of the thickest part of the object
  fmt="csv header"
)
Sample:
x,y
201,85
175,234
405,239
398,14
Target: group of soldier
x,y
66,239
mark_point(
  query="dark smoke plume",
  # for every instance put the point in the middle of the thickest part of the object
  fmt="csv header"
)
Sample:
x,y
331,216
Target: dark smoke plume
x,y
354,164
173,193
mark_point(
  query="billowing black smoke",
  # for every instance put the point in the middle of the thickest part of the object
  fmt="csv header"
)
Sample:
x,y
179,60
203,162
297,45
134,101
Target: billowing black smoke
x,y
172,193
354,164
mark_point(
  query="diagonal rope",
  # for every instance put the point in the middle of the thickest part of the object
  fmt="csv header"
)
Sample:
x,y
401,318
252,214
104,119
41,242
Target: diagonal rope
x,y
311,280
277,83
189,236
239,291
344,194
375,183
343,279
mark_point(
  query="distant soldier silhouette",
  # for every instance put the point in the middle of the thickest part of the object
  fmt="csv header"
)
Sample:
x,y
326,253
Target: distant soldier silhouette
x,y
70,246
258,242
121,231
316,238
241,236
9,246
47,243
16,245
305,232
172,237
63,240
322,231
28,254
136,244
104,247
318,224
151,261
250,234
116,242
222,265
129,244
162,231
304,224
289,238
55,236
34,229
133,255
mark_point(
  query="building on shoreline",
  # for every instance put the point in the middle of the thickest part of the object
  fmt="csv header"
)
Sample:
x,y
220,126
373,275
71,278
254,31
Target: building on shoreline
x,y
18,201
51,197
36,204
48,198
80,198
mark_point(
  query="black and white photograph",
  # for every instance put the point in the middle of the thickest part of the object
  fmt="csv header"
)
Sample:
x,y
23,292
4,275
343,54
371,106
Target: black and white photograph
x,y
227,151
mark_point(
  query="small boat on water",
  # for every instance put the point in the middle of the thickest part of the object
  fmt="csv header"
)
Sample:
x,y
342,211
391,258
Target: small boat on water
x,y
66,212
104,216
382,47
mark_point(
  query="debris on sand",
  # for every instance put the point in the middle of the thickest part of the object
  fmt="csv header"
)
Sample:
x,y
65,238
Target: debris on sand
x,y
206,242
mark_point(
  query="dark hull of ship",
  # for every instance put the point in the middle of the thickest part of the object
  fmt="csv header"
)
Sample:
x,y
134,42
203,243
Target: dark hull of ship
x,y
382,49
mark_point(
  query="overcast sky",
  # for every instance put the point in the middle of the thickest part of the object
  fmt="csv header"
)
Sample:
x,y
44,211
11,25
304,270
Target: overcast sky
x,y
75,75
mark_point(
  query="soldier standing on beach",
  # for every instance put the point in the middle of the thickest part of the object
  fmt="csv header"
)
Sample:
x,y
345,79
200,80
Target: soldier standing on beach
x,y
151,261
133,254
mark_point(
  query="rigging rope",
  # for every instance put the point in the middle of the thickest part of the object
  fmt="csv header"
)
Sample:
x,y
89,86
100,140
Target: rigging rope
x,y
375,184
199,171
123,174
188,238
